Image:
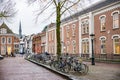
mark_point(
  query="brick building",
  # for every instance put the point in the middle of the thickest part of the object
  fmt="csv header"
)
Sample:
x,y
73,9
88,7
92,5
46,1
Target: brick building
x,y
36,43
51,39
43,42
107,31
9,42
101,19
70,39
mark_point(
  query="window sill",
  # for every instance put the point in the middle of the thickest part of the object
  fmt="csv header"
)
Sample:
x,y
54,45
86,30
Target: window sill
x,y
85,34
115,28
103,31
115,54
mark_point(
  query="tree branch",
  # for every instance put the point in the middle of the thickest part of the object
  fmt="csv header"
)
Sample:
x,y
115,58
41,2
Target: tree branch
x,y
70,7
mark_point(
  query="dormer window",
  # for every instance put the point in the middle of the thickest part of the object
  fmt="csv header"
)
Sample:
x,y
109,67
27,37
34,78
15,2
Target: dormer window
x,y
3,31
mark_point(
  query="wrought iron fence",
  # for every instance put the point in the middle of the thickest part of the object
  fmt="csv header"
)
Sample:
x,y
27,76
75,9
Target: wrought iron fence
x,y
103,57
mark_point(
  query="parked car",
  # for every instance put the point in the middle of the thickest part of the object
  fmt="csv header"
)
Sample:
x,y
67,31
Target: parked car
x,y
1,57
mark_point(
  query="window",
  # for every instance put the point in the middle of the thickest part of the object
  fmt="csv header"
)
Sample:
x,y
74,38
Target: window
x,y
49,36
73,29
3,31
16,46
74,46
85,46
9,40
102,20
85,27
67,30
116,45
115,15
68,45
3,40
52,35
103,46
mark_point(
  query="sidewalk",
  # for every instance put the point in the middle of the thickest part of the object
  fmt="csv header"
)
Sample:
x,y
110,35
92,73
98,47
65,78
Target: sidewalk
x,y
101,71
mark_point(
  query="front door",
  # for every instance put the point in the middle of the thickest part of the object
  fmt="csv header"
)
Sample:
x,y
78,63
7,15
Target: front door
x,y
9,50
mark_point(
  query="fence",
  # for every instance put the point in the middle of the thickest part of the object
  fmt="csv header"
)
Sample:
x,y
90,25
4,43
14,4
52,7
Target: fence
x,y
103,57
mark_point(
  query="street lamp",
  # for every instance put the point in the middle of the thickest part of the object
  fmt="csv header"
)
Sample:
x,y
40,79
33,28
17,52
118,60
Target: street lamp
x,y
93,58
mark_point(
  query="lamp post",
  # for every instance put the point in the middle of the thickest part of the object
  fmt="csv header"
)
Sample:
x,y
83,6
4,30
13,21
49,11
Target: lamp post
x,y
93,58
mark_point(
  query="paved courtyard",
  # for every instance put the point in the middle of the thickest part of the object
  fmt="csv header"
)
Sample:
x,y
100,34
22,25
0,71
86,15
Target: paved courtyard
x,y
101,71
17,68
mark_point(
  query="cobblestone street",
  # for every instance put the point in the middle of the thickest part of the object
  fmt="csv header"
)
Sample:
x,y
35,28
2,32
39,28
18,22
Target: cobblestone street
x,y
17,68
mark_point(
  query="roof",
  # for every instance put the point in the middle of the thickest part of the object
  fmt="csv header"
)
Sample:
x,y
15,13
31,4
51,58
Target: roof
x,y
92,8
9,31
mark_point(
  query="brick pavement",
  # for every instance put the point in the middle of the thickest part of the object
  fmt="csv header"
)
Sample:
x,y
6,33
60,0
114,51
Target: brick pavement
x,y
101,71
17,68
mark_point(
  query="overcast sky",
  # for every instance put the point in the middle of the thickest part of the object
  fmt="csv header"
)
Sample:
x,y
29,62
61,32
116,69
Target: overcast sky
x,y
26,15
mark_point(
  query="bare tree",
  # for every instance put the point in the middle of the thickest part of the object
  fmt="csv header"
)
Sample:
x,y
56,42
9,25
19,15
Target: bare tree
x,y
7,10
61,7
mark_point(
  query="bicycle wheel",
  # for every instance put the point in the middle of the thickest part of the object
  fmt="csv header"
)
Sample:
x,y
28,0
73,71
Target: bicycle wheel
x,y
57,65
52,64
84,69
67,68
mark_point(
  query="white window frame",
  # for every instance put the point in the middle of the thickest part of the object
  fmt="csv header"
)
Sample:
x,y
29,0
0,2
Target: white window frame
x,y
68,46
86,25
8,40
85,41
101,22
73,29
3,31
83,27
2,40
67,31
53,35
101,45
112,14
74,46
49,36
115,37
102,38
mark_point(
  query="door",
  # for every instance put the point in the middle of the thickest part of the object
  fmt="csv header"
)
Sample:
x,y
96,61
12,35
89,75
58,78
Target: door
x,y
9,50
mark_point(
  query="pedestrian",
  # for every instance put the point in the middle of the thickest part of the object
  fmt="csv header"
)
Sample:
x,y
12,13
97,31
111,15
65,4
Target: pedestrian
x,y
12,54
7,54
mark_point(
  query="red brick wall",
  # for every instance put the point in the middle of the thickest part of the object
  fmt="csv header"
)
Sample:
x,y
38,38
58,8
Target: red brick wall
x,y
71,38
36,44
108,32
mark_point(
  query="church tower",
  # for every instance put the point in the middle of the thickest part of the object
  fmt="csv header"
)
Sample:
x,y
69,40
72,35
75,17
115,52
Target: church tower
x,y
20,30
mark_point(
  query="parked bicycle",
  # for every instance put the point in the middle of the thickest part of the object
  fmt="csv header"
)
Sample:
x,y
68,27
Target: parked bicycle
x,y
78,66
60,65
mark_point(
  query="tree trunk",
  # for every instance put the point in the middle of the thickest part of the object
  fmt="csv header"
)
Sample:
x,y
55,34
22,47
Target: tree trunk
x,y
58,22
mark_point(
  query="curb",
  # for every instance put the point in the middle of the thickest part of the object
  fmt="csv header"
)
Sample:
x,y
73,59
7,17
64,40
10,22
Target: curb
x,y
69,77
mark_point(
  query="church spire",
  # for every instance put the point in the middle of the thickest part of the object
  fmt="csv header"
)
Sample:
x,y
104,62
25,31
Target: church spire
x,y
20,30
